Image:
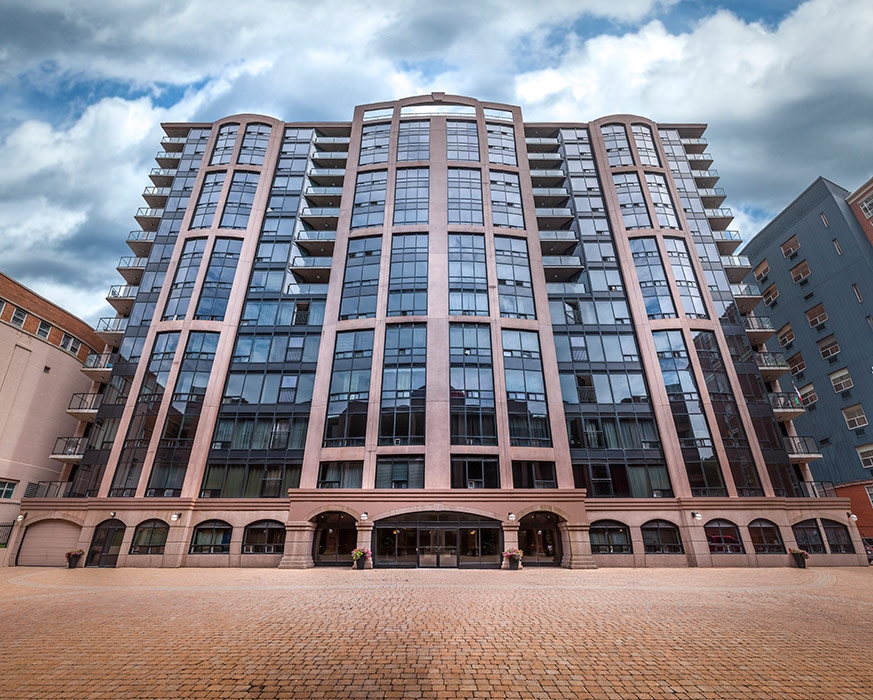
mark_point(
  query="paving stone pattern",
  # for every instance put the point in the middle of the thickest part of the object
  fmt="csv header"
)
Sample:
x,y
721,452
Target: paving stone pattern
x,y
338,633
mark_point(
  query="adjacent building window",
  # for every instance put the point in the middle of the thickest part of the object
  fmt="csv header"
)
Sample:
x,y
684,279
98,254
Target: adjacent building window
x,y
400,473
617,147
785,335
471,385
468,281
837,247
816,315
807,395
828,347
525,389
210,194
407,281
791,246
150,537
211,537
224,144
462,141
374,144
361,280
866,206
653,278
855,417
70,344
506,200
261,479
770,295
800,272
475,473
369,205
631,201
413,141
6,488
402,415
240,198
841,380
796,363
465,197
411,196
865,454
18,317
501,144
215,292
254,145
857,293
349,393
44,329
514,287
762,270
661,537
340,475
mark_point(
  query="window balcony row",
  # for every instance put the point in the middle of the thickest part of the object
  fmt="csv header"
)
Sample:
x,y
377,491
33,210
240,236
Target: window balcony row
x,y
121,297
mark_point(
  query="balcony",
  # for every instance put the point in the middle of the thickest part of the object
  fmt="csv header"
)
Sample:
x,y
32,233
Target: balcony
x,y
304,289
321,217
705,178
140,242
69,449
327,177
771,365
747,296
758,328
547,178
550,196
801,448
541,145
562,268
329,159
719,219
98,366
148,218
156,196
565,289
323,196
712,197
84,406
816,489
316,242
727,241
557,218
544,160
736,267
311,269
694,145
173,144
111,330
699,161
332,143
131,269
121,297
162,177
786,406
558,242
49,489
167,159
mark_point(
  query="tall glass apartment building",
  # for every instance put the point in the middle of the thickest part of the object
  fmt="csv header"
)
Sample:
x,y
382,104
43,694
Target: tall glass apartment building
x,y
437,331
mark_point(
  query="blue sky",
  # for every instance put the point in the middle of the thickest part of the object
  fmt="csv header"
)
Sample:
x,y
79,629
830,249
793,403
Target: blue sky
x,y
784,86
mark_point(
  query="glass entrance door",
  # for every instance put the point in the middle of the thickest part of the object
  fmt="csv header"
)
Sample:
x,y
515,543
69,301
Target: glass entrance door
x,y
438,547
106,544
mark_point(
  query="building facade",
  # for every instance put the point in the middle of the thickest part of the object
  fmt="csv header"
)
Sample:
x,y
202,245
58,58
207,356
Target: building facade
x,y
436,332
42,351
814,265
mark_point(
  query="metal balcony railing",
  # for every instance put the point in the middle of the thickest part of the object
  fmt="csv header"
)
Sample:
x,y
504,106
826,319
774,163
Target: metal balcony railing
x,y
785,400
800,445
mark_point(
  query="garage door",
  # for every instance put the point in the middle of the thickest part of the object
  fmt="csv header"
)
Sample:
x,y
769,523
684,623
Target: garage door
x,y
46,542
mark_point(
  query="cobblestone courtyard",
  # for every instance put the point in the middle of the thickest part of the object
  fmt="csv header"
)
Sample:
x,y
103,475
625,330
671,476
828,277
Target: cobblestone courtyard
x,y
339,633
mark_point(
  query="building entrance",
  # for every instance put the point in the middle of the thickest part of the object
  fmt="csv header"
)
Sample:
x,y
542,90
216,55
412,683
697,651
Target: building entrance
x,y
106,544
437,540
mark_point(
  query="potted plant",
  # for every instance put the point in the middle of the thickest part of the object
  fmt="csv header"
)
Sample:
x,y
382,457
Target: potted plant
x,y
360,557
514,556
73,558
800,557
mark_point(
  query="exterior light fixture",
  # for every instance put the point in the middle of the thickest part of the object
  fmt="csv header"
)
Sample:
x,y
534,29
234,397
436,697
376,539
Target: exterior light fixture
x,y
21,517
852,516
175,516
111,513
696,515
364,516
512,516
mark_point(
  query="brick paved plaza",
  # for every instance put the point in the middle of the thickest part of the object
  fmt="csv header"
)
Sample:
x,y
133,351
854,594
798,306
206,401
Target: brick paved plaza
x,y
339,633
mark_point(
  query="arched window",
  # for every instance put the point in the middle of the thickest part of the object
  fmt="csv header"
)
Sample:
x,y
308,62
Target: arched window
x,y
661,537
150,537
610,537
264,537
766,538
808,536
723,537
211,537
838,537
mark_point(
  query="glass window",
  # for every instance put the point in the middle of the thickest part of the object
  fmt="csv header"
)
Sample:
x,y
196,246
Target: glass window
x,y
506,200
645,144
224,144
800,272
665,212
766,538
653,278
475,473
7,488
661,537
462,140
514,287
413,141
865,454
785,335
361,280
855,417
183,283
150,537
723,537
807,395
501,144
808,536
841,380
18,317
686,280
617,146
631,200
525,389
349,393
369,204
471,385
210,194
468,282
44,329
254,145
374,144
211,537
411,196
796,363
610,537
400,473
465,196
340,475
402,414
791,246
838,537
866,206
264,537
240,198
407,281
770,294
762,270
215,292
816,315
828,347
534,475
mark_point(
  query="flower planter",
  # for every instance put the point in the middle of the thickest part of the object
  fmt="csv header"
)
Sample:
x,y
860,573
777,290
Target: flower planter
x,y
799,560
73,561
359,563
513,564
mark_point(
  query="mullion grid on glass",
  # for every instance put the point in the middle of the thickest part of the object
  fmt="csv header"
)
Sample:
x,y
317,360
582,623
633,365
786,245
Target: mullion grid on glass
x,y
468,280
471,385
514,288
210,194
413,141
462,140
361,280
617,147
183,283
374,144
631,200
645,144
348,399
254,145
369,204
686,280
411,196
660,194
501,144
525,389
402,417
653,278
215,291
407,281
465,196
224,144
506,208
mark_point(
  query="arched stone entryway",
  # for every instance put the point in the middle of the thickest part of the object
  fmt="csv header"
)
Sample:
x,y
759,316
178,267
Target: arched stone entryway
x,y
539,539
335,538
